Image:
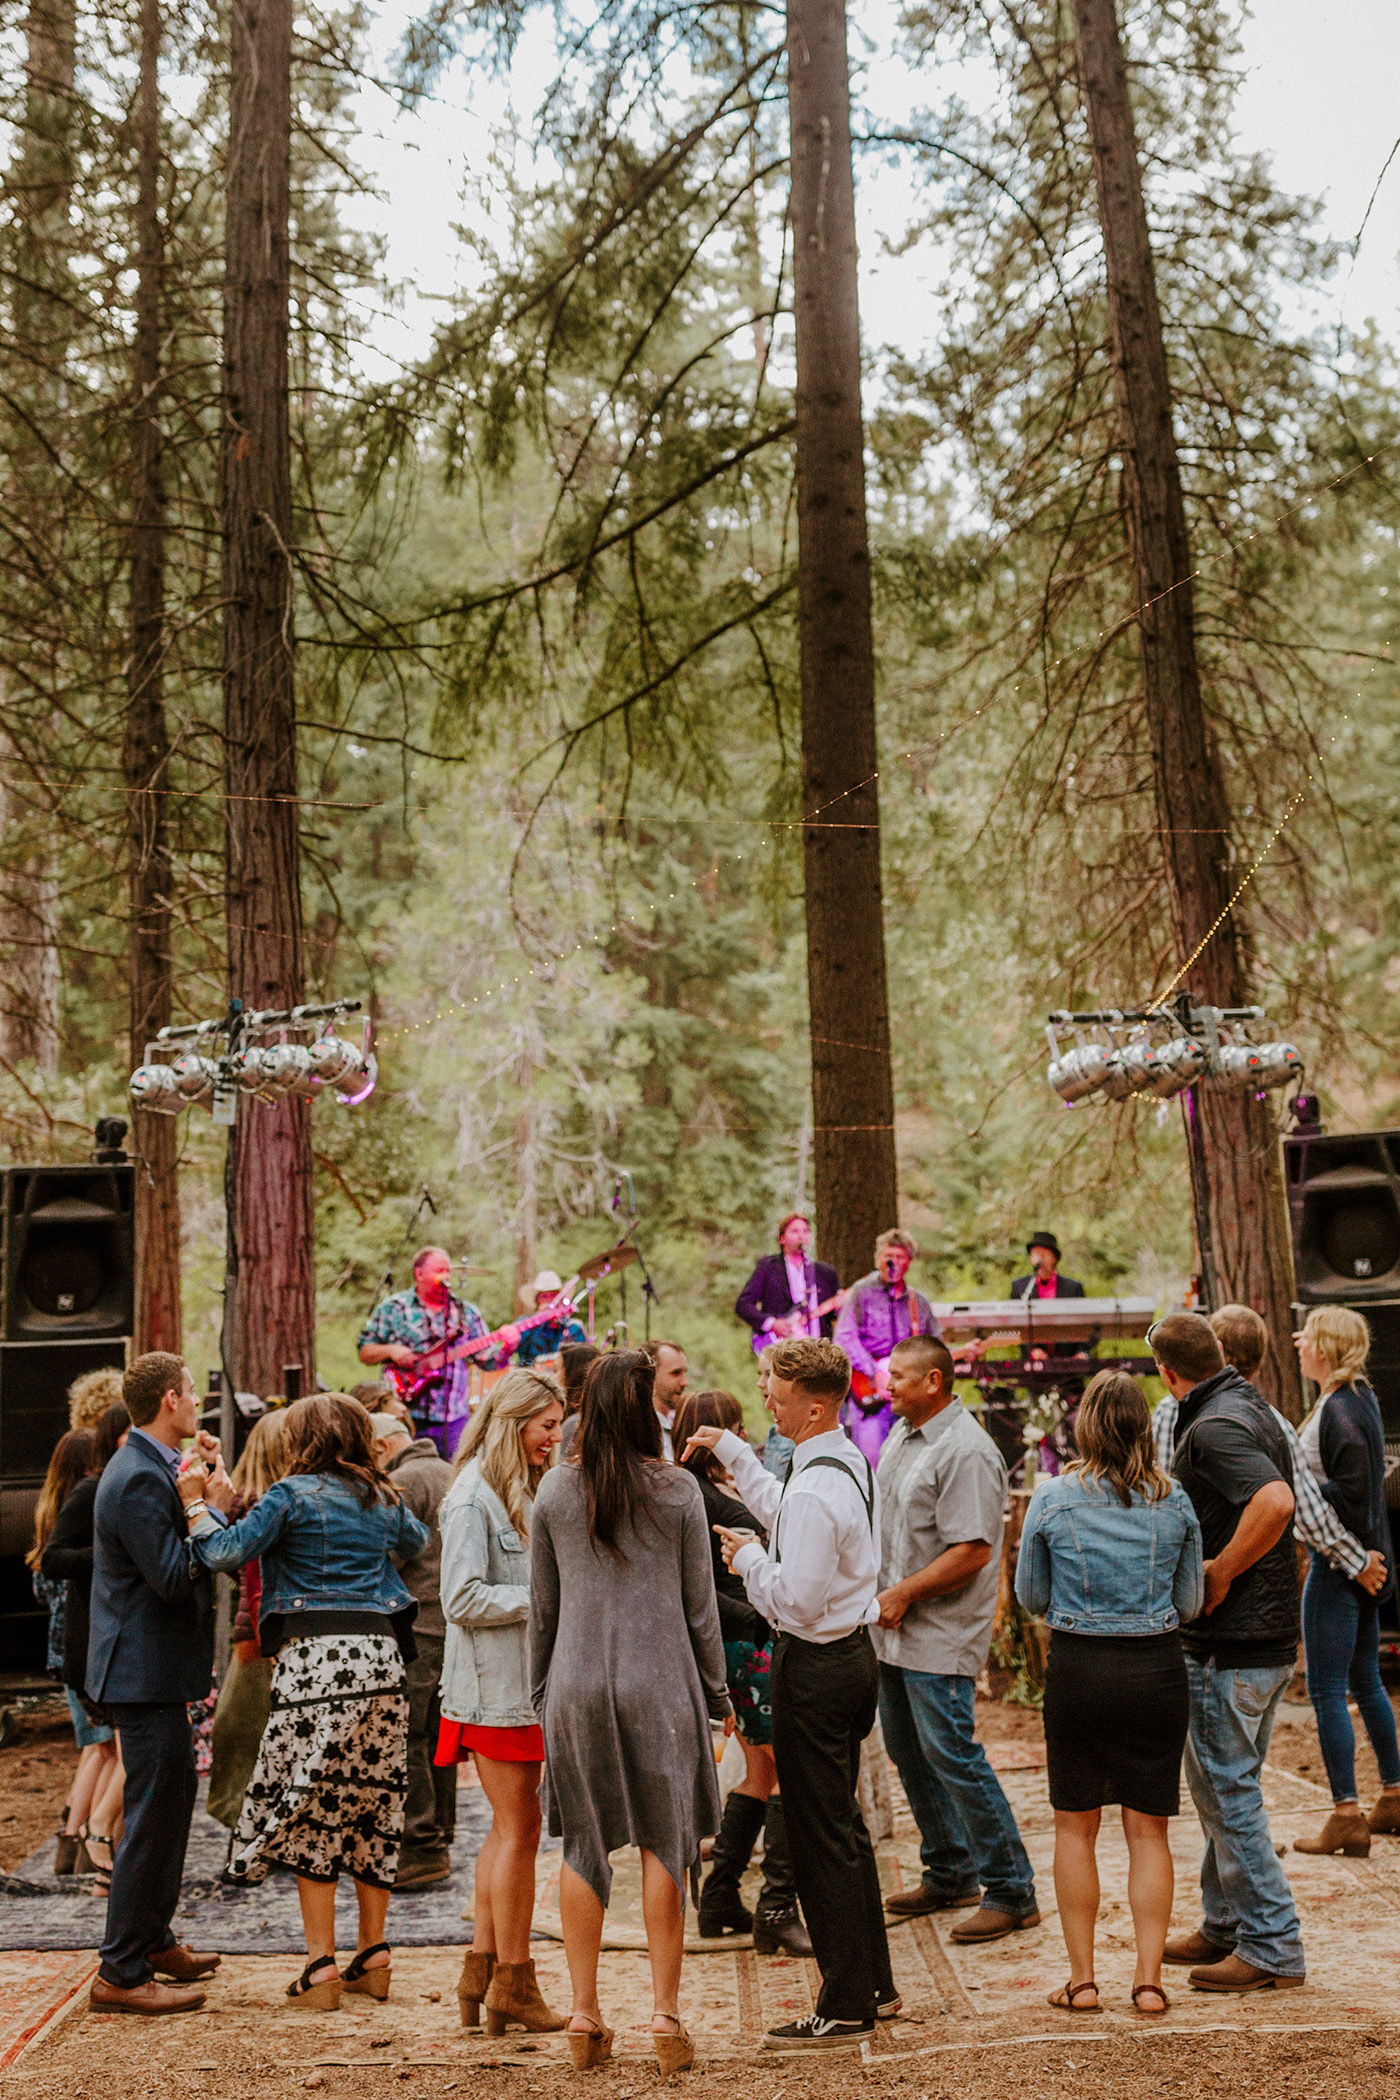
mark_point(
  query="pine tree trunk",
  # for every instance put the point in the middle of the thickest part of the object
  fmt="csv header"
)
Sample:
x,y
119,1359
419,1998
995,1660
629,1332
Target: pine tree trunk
x,y
40,187
852,1085
146,745
271,1320
1248,1221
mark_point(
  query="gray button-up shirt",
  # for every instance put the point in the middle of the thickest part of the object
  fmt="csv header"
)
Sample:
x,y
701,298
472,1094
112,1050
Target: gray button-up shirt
x,y
940,1486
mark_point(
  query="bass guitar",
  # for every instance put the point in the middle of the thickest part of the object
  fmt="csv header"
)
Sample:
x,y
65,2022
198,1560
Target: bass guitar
x,y
795,1323
408,1380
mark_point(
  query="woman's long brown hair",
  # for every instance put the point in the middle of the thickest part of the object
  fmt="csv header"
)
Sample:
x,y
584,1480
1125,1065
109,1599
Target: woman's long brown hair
x,y
71,1460
328,1433
712,1409
619,1429
1113,1430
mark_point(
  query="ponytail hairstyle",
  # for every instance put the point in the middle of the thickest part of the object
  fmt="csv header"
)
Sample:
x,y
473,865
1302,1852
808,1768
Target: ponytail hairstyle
x,y
619,1429
493,1437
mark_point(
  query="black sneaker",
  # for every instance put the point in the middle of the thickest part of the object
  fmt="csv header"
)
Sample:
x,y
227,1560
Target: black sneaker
x,y
816,2032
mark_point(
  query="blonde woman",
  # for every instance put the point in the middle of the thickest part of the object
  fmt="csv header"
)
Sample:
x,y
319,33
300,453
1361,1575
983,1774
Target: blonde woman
x,y
1344,1445
1111,1559
245,1696
487,1710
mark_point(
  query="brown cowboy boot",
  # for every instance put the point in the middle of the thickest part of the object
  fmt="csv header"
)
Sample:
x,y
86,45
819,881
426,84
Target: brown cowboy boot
x,y
514,1997
1346,1831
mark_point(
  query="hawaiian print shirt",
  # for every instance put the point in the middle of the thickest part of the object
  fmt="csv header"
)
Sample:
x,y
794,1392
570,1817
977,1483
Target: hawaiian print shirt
x,y
548,1339
405,1318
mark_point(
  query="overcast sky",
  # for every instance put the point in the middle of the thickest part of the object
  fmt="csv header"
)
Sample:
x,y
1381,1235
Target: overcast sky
x,y
1320,98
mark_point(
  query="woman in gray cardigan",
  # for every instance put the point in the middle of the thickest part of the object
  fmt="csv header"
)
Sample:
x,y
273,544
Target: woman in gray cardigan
x,y
628,1669
487,1713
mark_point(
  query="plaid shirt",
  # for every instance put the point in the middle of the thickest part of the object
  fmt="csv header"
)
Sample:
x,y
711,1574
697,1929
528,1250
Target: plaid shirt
x,y
1314,1519
405,1318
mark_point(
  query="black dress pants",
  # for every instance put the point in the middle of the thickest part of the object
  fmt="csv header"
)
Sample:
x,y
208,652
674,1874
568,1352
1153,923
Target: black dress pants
x,y
157,1803
824,1698
430,1810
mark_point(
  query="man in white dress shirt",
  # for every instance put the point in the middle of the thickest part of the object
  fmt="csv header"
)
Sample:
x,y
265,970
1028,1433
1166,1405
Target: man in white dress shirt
x,y
816,1585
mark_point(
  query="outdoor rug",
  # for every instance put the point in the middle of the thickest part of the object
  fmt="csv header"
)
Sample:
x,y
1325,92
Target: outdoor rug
x,y
40,1911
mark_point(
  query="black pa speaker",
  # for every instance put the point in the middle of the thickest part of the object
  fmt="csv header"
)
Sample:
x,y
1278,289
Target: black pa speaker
x,y
1344,1214
68,1265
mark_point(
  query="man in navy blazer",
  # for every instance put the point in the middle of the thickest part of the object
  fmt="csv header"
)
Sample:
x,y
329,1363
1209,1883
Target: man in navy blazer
x,y
787,1282
150,1652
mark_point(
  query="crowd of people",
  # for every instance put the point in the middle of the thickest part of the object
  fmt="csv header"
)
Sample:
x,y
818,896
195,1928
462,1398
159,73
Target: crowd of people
x,y
601,1574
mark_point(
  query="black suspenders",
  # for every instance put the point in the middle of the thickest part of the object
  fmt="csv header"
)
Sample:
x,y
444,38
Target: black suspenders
x,y
867,1494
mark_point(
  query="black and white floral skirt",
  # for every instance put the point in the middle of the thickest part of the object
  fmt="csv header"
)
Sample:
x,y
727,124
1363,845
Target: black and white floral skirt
x,y
327,1792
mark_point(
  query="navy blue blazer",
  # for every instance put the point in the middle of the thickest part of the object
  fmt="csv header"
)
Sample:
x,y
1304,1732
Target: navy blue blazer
x,y
151,1632
766,1295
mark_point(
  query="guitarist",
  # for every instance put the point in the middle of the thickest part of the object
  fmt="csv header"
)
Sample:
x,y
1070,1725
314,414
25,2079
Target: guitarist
x,y
787,1291
880,1311
402,1327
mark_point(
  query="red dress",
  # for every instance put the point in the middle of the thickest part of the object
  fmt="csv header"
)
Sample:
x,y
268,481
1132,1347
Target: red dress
x,y
509,1746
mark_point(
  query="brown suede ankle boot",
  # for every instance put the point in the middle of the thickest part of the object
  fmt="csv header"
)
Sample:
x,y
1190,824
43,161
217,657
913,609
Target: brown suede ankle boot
x,y
514,1998
1384,1819
473,1984
1345,1830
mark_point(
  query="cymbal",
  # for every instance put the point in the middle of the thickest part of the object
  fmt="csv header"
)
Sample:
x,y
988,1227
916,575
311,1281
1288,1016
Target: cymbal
x,y
603,1264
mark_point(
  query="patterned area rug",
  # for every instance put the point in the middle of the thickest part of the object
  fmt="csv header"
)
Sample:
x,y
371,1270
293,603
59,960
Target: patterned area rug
x,y
41,1912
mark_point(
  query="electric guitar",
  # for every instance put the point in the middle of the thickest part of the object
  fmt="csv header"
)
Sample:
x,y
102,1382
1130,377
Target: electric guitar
x,y
794,1323
408,1380
863,1386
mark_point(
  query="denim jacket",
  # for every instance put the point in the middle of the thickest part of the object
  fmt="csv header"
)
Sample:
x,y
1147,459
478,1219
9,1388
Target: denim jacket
x,y
320,1548
1088,1565
486,1603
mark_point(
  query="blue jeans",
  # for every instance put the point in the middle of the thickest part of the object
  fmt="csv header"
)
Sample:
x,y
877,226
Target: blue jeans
x,y
968,1832
1247,1904
1342,1644
88,1732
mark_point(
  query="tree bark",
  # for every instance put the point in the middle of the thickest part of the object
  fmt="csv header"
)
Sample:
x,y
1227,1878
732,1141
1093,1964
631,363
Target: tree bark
x,y
271,1318
848,1002
146,744
1248,1220
41,187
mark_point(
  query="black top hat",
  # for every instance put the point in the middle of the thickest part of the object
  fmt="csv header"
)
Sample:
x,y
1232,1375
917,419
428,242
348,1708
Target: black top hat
x,y
1044,1239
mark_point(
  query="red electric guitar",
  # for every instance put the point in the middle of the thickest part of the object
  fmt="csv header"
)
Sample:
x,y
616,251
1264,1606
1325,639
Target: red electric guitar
x,y
408,1380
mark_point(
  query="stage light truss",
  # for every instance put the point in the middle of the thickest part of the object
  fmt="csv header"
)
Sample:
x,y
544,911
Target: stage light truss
x,y
1160,1051
213,1064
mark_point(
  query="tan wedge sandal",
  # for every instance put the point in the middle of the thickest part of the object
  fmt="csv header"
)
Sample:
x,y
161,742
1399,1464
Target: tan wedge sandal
x,y
473,1984
513,1999
674,2052
317,1997
371,1983
589,2046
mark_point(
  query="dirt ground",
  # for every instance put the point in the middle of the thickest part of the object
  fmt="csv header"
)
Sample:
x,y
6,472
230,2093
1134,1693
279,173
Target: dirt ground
x,y
971,2029
34,1773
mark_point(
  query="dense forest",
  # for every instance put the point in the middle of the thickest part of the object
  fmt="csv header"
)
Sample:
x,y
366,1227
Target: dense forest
x,y
544,616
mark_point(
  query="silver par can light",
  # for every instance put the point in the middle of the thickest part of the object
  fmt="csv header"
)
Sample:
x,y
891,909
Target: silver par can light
x,y
1082,1071
155,1088
287,1069
195,1076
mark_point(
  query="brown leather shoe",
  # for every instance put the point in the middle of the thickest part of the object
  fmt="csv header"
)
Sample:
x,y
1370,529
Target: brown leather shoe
x,y
150,1998
183,1965
1384,1819
1193,1948
986,1924
1346,1831
1234,1973
917,1903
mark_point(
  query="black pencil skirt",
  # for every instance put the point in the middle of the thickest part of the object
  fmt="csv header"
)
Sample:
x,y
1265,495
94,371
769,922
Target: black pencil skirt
x,y
1116,1715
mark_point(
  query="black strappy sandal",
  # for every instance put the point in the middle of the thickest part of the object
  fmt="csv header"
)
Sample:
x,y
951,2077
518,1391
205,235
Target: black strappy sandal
x,y
374,1983
316,1997
1063,1999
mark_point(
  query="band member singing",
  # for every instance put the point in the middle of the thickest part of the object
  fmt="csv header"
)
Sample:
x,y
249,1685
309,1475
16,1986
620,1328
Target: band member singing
x,y
789,1293
1045,1280
403,1327
550,1336
879,1311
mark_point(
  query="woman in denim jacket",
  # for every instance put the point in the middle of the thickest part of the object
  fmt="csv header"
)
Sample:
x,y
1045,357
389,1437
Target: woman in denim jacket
x,y
327,1791
1111,1559
487,1710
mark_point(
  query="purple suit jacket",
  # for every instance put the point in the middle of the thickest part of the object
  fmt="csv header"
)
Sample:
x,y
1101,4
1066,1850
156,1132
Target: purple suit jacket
x,y
766,1295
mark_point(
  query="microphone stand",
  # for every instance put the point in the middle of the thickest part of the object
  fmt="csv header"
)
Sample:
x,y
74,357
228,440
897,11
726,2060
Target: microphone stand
x,y
650,1294
386,1281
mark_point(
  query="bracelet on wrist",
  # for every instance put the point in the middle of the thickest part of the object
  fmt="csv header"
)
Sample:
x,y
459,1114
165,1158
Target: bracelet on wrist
x,y
192,1509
